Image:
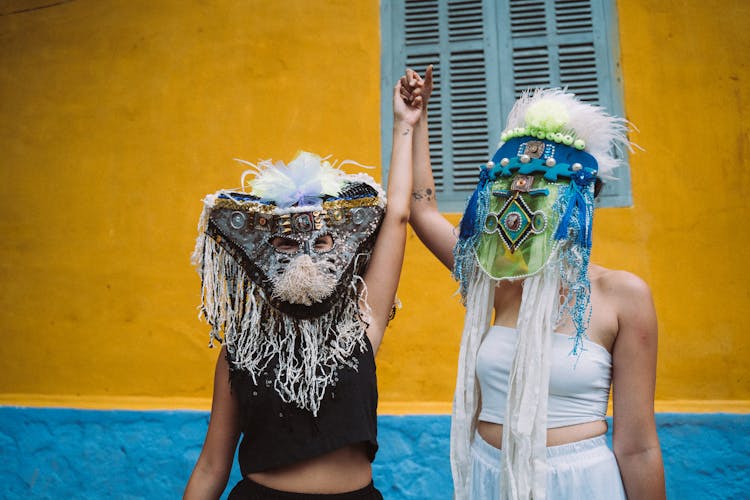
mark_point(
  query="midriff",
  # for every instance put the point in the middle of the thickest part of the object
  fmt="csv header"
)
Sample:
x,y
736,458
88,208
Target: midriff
x,y
339,471
493,433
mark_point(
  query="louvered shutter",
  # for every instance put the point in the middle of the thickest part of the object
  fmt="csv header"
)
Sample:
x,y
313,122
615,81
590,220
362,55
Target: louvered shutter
x,y
567,43
553,45
450,35
485,54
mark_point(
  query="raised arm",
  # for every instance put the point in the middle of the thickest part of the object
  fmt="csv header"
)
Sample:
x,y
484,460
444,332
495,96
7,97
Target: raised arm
x,y
434,230
211,472
384,270
635,442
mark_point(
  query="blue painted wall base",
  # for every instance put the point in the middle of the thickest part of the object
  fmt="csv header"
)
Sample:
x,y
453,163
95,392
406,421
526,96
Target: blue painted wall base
x,y
58,453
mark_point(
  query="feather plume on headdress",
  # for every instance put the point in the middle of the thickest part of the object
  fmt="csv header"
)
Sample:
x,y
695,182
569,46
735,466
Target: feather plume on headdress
x,y
556,111
303,182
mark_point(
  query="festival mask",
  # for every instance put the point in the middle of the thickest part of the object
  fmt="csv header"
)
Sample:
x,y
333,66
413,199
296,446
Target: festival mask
x,y
526,179
281,273
530,219
536,193
281,232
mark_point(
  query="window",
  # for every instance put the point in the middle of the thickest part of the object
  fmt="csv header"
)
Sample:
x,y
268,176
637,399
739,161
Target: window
x,y
485,53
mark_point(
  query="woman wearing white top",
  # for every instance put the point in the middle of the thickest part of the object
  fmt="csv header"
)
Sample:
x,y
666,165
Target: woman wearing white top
x,y
621,330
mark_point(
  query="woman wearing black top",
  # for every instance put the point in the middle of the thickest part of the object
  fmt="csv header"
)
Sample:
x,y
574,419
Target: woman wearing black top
x,y
287,281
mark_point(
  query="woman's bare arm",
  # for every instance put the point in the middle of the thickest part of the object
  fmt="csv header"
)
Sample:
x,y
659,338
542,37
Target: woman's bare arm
x,y
211,472
434,230
384,270
635,442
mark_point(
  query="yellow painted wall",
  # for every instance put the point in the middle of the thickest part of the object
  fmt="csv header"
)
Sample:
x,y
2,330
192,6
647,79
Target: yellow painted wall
x,y
116,117
687,88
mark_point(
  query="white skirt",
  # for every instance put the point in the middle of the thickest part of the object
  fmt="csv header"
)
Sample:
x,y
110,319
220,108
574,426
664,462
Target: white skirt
x,y
585,470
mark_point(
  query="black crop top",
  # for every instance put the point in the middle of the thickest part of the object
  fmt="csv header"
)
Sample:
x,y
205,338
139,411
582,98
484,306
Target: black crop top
x,y
276,434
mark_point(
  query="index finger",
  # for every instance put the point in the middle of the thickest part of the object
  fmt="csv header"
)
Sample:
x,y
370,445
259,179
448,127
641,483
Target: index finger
x,y
428,75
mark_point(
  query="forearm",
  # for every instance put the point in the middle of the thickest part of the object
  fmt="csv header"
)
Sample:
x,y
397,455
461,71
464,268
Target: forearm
x,y
431,227
205,482
643,474
384,268
400,173
423,196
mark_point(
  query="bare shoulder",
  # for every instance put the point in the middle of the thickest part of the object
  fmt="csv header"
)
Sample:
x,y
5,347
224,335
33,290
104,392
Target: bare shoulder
x,y
620,285
631,300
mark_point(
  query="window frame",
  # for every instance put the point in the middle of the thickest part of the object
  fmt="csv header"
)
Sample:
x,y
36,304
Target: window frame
x,y
497,45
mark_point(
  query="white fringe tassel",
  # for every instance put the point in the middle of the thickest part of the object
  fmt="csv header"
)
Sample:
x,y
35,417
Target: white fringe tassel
x,y
524,465
309,351
523,472
479,303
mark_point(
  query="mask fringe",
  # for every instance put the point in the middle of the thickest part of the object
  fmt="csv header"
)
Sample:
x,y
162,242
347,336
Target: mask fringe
x,y
524,470
472,222
307,352
576,207
479,302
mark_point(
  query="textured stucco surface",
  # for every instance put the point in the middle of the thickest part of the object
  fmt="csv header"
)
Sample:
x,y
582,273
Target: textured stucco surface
x,y
58,453
117,116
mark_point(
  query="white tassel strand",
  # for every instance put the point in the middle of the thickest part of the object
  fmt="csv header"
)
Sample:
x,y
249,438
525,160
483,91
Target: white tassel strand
x,y
309,351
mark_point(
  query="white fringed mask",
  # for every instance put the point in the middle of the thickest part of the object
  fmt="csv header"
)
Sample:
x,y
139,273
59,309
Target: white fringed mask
x,y
281,271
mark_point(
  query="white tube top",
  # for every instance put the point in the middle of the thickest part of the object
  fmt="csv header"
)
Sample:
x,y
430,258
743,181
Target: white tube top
x,y
578,386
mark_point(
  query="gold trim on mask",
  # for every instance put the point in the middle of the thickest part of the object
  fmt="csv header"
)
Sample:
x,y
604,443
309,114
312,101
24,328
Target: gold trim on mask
x,y
249,206
359,202
262,218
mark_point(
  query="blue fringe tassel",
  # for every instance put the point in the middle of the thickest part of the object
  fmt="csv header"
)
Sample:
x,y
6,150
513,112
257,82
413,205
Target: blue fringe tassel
x,y
470,230
575,206
578,213
469,219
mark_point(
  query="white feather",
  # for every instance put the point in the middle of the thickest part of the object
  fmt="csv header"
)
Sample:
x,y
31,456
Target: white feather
x,y
605,135
305,177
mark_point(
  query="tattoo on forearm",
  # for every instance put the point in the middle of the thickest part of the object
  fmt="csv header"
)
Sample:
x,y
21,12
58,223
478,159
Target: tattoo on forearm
x,y
406,131
425,194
